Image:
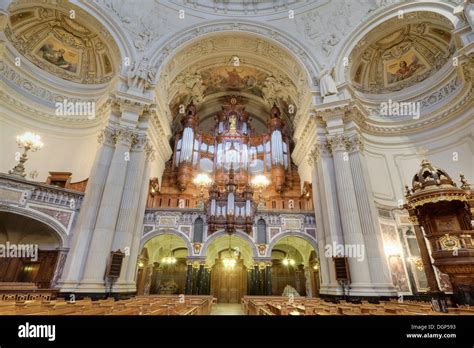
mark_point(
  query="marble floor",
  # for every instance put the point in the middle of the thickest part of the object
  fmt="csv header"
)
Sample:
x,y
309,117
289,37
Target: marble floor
x,y
227,309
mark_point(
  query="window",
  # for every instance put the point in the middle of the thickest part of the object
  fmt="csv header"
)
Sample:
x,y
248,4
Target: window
x,y
261,232
198,230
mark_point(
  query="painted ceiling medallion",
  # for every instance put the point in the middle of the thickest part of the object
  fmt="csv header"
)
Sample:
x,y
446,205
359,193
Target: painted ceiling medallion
x,y
390,60
73,47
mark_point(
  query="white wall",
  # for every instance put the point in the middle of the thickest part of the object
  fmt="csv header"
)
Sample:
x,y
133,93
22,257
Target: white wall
x,y
63,150
393,165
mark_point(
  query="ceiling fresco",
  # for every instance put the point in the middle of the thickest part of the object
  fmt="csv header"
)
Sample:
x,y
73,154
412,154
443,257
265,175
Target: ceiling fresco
x,y
390,60
71,49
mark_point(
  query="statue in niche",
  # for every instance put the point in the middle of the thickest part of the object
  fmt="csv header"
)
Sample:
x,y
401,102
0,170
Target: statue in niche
x,y
327,86
232,124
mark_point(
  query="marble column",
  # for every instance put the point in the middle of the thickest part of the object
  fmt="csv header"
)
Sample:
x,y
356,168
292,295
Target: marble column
x,y
308,282
188,290
268,279
127,216
378,266
101,243
200,279
132,264
351,225
425,255
82,234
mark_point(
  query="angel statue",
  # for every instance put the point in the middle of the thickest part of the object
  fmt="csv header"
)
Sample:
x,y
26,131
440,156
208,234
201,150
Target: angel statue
x,y
327,86
141,75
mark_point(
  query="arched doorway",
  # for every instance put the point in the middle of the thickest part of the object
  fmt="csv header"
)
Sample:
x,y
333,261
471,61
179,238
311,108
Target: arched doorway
x,y
295,267
162,265
31,251
229,279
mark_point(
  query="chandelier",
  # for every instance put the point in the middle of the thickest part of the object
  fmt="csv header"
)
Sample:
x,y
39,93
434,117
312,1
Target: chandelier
x,y
288,261
202,180
170,259
230,260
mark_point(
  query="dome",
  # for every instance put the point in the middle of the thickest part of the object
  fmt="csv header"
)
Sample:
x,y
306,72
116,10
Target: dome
x,y
401,52
63,41
430,176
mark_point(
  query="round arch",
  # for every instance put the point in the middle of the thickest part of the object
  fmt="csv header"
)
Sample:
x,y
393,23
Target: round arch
x,y
286,43
282,236
60,232
159,232
345,49
237,233
221,243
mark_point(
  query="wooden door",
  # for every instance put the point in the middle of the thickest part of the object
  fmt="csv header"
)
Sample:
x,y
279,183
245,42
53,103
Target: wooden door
x,y
228,284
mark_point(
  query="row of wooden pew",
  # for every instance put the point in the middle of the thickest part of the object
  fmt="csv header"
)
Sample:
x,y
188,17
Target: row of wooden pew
x,y
15,291
139,305
277,305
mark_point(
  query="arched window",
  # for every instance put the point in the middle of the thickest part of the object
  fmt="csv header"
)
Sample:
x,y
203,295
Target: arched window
x,y
261,232
198,230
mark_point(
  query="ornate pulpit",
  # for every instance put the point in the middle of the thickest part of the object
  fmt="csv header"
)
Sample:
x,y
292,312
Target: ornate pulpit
x,y
440,211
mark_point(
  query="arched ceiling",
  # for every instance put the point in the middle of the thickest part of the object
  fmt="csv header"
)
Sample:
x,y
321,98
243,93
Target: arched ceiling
x,y
245,65
64,41
18,229
237,243
298,249
160,246
401,52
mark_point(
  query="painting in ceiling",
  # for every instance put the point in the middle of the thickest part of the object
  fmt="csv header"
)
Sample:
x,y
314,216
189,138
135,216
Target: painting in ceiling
x,y
391,58
79,52
233,78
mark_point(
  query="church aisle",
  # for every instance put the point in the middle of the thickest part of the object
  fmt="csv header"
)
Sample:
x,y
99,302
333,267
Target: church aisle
x,y
227,309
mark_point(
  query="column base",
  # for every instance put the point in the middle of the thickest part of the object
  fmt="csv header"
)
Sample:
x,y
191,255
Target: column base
x,y
124,288
333,290
92,286
371,290
68,286
385,290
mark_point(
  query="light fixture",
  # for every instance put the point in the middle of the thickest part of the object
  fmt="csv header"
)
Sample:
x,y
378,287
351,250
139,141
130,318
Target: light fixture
x,y
316,266
202,180
260,182
141,264
288,261
170,259
229,261
27,141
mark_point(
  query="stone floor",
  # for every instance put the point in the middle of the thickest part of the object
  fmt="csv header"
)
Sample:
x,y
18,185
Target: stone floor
x,y
227,309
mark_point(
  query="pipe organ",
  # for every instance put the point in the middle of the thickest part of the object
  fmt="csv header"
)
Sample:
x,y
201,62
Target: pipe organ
x,y
231,153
